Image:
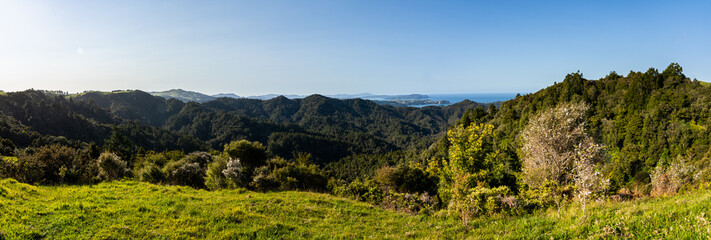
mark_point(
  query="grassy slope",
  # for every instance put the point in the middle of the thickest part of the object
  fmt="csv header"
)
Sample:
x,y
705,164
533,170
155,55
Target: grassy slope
x,y
138,210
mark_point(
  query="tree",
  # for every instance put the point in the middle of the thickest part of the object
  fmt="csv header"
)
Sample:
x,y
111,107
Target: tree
x,y
111,167
588,180
466,179
250,154
557,152
120,145
550,143
215,177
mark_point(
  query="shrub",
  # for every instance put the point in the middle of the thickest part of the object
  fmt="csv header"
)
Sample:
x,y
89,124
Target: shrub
x,y
251,154
51,164
151,158
215,178
233,171
111,167
186,174
485,201
412,203
7,148
263,180
151,173
21,170
407,179
294,176
368,191
191,170
666,181
201,158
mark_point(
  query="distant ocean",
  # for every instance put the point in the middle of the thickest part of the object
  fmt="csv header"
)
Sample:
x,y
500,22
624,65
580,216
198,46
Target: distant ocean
x,y
476,97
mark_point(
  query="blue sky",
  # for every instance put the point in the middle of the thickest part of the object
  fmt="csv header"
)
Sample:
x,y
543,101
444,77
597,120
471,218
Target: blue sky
x,y
329,47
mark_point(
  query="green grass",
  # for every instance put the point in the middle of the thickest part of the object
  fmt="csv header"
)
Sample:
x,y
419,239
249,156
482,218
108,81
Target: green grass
x,y
134,210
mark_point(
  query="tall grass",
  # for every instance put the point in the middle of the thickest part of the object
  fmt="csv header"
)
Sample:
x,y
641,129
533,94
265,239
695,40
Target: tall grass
x,y
136,210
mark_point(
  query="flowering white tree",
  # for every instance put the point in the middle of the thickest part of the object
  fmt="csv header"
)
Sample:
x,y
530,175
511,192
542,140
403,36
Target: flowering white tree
x,y
557,150
233,171
588,180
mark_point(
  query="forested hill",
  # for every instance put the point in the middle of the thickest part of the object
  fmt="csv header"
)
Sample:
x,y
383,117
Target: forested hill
x,y
644,120
396,125
328,128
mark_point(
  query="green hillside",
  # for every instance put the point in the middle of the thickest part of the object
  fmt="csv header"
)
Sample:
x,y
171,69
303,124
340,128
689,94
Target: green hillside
x,y
135,210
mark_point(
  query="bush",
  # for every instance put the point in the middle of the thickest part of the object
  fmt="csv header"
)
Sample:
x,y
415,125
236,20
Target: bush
x,y
666,181
53,164
367,191
111,167
191,170
201,158
214,178
21,170
263,180
186,174
7,148
233,171
151,173
485,201
412,203
250,154
294,176
407,179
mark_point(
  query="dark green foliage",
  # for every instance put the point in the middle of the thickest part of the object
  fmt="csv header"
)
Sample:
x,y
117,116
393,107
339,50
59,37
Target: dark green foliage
x,y
217,178
7,148
263,180
325,149
120,145
157,139
201,158
112,167
301,175
131,123
50,114
151,173
363,166
187,174
368,191
135,105
52,164
22,170
250,154
189,171
407,179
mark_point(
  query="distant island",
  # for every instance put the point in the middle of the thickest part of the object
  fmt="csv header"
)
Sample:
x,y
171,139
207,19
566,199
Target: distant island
x,y
412,102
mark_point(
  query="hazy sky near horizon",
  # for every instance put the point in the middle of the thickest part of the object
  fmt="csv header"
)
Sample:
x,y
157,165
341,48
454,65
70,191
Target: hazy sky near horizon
x,y
329,47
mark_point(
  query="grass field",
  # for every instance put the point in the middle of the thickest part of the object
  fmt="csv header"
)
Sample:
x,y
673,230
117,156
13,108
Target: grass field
x,y
135,210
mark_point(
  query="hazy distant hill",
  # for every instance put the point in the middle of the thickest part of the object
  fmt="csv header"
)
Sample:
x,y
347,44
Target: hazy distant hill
x,y
185,96
227,95
392,100
270,96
